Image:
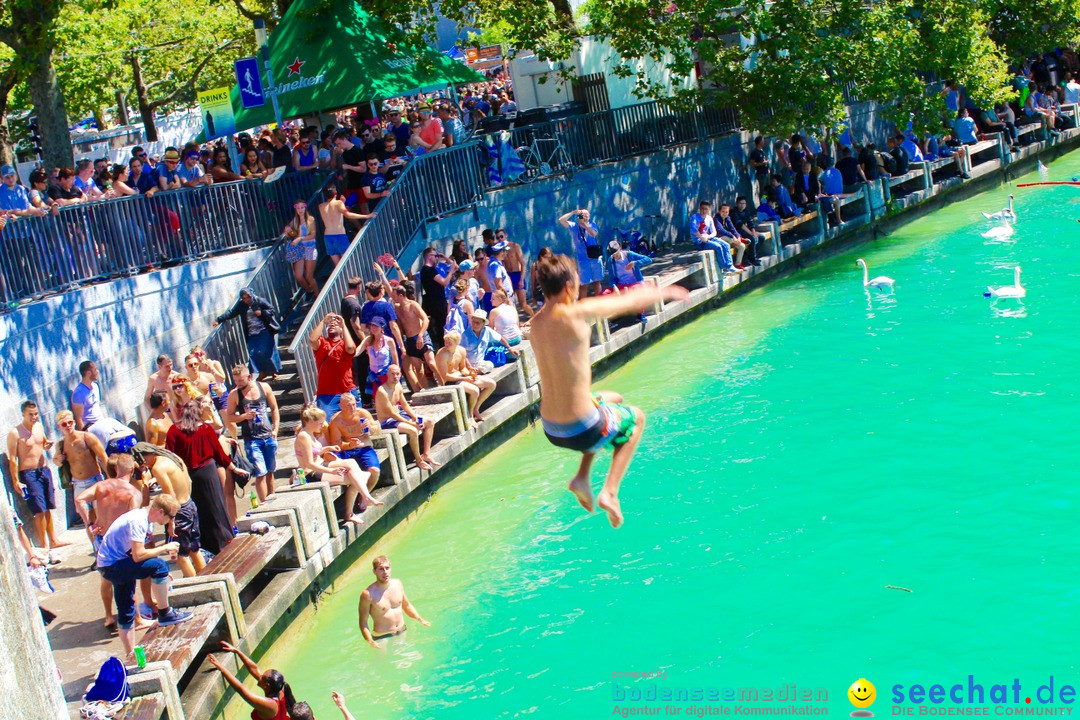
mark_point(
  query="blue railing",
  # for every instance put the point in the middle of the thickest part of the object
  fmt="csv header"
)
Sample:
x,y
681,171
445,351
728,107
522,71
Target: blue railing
x,y
272,280
94,241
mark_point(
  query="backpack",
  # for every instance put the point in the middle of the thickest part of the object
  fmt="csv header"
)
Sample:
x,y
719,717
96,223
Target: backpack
x,y
110,684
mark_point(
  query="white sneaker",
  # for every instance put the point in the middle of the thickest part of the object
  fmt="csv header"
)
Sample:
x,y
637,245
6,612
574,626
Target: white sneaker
x,y
54,559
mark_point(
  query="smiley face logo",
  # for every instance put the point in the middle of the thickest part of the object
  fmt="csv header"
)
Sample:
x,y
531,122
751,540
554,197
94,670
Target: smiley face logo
x,y
862,694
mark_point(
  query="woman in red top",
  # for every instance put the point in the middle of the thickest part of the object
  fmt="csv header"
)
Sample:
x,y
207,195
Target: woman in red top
x,y
278,701
197,445
431,130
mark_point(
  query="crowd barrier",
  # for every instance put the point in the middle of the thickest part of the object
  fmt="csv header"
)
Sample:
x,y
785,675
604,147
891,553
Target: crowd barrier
x,y
94,241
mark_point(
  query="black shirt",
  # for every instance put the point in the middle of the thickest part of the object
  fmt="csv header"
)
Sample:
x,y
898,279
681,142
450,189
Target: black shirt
x,y
350,308
392,171
373,182
282,157
353,156
849,170
434,302
747,217
58,193
902,159
869,163
758,156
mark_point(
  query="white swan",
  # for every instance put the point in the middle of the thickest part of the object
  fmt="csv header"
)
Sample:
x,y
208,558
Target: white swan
x,y
1016,290
1006,214
1000,233
881,282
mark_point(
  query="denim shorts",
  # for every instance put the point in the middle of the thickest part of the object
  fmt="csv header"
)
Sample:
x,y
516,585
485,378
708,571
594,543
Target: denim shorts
x,y
263,455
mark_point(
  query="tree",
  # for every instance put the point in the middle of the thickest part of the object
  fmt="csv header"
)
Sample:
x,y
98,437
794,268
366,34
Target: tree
x,y
26,27
1022,28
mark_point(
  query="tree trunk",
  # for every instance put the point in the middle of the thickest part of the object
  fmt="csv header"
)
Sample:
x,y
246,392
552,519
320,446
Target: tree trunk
x,y
564,13
99,118
7,154
145,109
49,107
122,108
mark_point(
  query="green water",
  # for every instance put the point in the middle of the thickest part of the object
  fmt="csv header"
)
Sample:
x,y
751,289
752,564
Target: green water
x,y
806,446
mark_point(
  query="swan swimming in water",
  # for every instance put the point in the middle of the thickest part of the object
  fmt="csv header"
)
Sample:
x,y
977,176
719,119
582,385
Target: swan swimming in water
x,y
1000,233
1006,214
1016,290
880,282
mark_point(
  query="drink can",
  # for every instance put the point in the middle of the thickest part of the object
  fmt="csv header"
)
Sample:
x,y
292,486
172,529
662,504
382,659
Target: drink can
x,y
254,500
140,656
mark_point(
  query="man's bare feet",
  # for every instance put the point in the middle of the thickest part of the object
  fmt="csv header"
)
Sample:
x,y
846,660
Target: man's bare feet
x,y
610,505
354,520
428,459
58,543
142,623
423,465
373,502
582,491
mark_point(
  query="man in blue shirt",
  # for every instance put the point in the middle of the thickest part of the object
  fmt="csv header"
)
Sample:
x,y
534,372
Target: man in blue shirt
x,y
14,199
191,173
703,231
377,306
167,176
832,186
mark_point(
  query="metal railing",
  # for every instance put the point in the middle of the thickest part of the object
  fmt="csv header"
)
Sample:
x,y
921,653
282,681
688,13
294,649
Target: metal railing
x,y
433,184
272,280
94,241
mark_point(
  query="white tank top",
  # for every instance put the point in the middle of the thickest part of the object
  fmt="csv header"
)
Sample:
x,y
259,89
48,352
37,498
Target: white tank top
x,y
506,322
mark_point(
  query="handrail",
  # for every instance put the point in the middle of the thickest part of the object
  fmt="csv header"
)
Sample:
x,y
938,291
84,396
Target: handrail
x,y
272,280
124,236
431,185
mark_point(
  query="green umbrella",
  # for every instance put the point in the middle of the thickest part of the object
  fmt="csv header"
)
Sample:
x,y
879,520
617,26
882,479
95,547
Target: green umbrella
x,y
327,56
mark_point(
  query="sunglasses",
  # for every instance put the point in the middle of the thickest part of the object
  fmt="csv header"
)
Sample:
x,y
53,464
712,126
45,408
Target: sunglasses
x,y
179,386
69,423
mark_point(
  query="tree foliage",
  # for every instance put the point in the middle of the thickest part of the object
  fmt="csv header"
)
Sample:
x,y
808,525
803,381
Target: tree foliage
x,y
1023,27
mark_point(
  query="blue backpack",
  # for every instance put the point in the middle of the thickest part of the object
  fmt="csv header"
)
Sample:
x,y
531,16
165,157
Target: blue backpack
x,y
110,684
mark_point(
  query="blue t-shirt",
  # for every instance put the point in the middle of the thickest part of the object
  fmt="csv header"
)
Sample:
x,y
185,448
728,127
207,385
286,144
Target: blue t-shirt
x,y
88,397
401,132
832,182
162,171
147,180
85,185
965,130
132,526
188,174
378,308
582,239
499,278
14,198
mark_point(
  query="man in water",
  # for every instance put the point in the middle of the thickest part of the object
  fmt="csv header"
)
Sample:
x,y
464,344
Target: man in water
x,y
394,412
573,417
334,212
85,458
387,604
26,450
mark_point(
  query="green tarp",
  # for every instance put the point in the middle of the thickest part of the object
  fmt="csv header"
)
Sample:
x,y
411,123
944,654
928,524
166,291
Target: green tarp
x,y
327,55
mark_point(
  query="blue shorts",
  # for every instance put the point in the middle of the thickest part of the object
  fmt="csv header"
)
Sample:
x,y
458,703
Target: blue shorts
x,y
388,424
40,493
365,457
263,455
336,244
589,270
515,280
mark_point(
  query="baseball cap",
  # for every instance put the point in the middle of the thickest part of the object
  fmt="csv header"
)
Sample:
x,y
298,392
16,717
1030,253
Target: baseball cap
x,y
614,246
479,314
466,265
378,321
7,170
498,247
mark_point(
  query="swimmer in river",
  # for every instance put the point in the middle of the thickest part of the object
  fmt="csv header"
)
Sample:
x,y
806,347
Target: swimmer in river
x,y
387,604
573,417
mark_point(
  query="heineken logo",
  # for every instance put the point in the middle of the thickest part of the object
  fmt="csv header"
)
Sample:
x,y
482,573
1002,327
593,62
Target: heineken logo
x,y
288,87
399,62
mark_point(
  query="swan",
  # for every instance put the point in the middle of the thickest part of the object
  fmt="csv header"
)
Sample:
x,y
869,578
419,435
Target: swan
x,y
881,282
1016,290
1000,233
1006,214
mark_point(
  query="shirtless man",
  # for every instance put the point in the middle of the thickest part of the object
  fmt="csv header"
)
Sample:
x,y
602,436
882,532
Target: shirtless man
x,y
452,363
110,499
85,456
219,392
160,420
171,475
387,604
201,380
160,380
26,449
514,262
573,417
419,351
351,429
334,212
394,412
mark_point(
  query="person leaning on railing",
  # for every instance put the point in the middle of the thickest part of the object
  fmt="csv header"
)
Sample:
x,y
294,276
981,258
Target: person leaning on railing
x,y
251,166
14,199
221,168
39,192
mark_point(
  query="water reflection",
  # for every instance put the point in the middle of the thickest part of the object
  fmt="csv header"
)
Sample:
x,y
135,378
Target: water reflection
x,y
1008,307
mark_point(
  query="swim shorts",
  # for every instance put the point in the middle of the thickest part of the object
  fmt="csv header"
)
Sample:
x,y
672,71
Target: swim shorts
x,y
410,347
41,495
515,281
365,457
606,425
336,244
388,424
186,528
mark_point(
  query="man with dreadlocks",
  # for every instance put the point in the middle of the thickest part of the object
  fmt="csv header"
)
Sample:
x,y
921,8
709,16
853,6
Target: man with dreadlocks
x,y
171,474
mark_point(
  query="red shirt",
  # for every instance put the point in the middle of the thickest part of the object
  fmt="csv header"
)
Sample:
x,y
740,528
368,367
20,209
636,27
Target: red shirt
x,y
196,449
334,368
